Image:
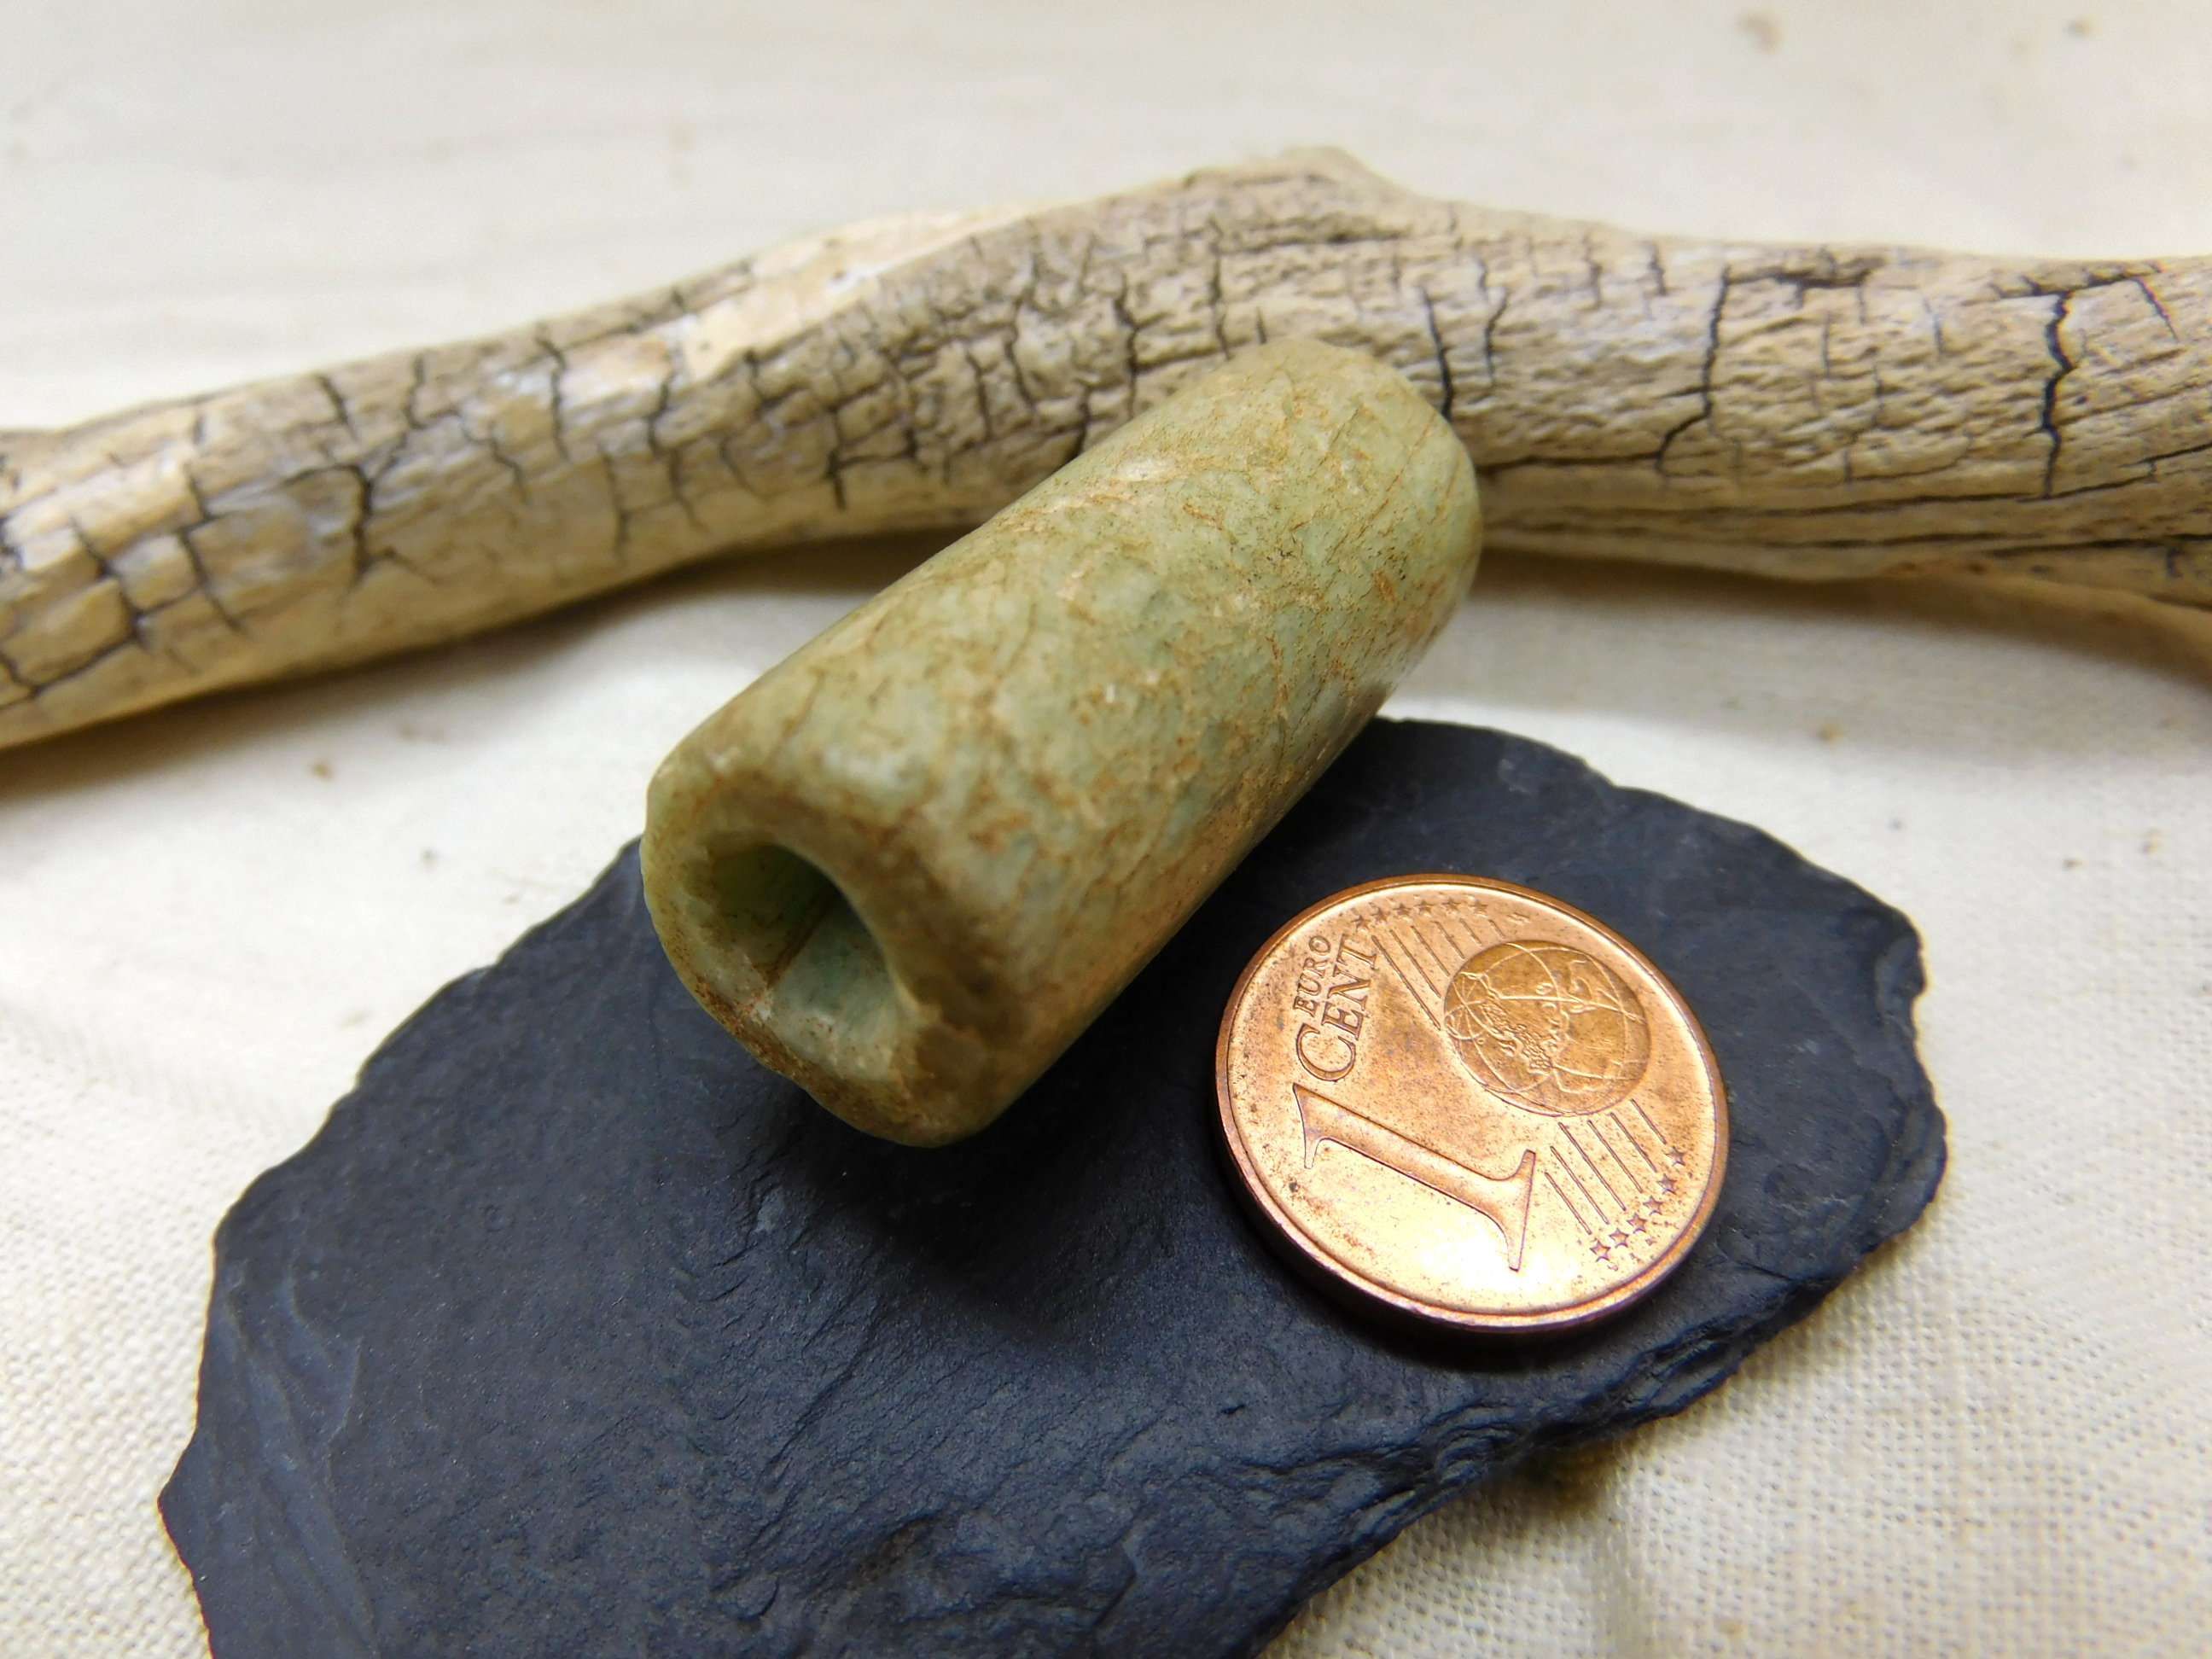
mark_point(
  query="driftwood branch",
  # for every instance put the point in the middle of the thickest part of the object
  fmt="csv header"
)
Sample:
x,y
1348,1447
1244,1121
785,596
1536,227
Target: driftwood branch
x,y
1802,412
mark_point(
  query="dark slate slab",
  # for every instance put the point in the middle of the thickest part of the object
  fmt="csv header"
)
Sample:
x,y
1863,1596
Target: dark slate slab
x,y
575,1333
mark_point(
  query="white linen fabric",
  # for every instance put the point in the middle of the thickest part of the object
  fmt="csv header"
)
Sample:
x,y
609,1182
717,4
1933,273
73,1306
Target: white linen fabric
x,y
1993,1440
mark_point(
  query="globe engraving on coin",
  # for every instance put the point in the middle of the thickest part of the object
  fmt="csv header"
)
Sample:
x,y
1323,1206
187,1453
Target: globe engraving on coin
x,y
1548,1027
1465,1104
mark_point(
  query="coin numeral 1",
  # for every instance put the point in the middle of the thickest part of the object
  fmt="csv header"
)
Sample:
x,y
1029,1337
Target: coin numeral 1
x,y
1504,1200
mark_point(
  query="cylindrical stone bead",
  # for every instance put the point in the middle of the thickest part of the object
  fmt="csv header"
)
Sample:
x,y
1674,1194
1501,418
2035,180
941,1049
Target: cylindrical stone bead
x,y
910,863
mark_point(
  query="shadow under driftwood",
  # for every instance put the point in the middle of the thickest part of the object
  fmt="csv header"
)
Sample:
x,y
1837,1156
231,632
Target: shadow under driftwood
x,y
1553,634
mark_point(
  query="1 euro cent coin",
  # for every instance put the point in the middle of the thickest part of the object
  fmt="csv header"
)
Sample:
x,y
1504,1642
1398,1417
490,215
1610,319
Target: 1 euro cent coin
x,y
1466,1104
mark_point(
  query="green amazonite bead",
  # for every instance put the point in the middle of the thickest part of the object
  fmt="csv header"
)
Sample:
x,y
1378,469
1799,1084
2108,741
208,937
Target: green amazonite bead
x,y
910,863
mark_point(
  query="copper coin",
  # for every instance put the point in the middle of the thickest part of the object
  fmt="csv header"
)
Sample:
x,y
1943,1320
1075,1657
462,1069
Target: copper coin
x,y
1463,1102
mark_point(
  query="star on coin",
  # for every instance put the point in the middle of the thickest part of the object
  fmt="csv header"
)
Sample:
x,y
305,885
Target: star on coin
x,y
1428,1137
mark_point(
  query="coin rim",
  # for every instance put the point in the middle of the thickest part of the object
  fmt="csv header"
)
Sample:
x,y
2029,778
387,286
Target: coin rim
x,y
1339,1279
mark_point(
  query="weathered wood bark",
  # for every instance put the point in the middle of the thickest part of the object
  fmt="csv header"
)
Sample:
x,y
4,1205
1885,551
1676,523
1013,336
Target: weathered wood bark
x,y
1805,412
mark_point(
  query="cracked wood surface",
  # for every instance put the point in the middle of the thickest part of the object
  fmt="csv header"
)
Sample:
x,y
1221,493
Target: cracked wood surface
x,y
1807,412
